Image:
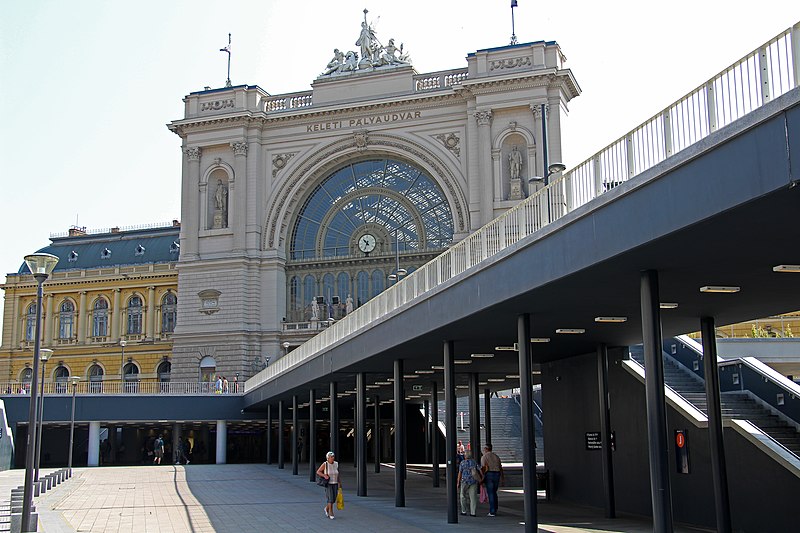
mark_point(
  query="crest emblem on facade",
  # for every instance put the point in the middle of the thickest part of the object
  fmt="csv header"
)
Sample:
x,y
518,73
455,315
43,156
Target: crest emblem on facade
x,y
372,55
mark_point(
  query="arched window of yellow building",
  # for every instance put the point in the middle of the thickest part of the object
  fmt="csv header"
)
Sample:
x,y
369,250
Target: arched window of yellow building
x,y
66,319
169,313
95,378
135,316
100,318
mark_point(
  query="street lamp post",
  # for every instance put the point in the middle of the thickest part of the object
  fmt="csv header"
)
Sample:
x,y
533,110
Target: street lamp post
x,y
285,347
398,272
44,355
122,366
41,266
74,380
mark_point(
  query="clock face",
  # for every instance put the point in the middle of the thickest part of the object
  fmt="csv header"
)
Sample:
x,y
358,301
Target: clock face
x,y
366,243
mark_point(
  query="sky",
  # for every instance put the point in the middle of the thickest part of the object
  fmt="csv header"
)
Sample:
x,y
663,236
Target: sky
x,y
88,86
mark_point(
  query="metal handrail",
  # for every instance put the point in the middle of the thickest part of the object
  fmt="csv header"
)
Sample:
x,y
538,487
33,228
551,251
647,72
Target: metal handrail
x,y
767,72
105,387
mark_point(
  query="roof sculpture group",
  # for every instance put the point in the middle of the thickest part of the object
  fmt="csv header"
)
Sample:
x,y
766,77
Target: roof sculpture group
x,y
373,54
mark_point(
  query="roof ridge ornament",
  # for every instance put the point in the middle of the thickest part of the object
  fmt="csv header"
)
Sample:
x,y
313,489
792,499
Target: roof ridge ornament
x,y
374,56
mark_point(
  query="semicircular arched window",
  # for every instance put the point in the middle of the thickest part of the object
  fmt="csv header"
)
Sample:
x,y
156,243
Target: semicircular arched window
x,y
401,201
66,319
100,318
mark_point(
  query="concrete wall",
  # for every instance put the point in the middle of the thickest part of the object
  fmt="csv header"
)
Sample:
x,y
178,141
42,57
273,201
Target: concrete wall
x,y
760,488
6,440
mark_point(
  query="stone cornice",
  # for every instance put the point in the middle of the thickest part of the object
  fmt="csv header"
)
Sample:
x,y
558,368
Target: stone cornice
x,y
116,280
549,78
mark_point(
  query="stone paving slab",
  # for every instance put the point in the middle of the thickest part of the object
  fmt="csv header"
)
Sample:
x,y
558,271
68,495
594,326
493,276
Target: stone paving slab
x,y
262,498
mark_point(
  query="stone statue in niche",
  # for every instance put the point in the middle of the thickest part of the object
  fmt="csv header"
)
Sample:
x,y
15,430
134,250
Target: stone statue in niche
x,y
515,163
348,304
220,206
515,170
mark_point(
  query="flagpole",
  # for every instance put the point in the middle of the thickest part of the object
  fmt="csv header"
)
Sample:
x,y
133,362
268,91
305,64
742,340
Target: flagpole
x,y
513,32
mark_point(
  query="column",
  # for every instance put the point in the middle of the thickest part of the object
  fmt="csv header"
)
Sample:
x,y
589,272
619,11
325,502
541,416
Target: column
x,y
222,442
376,433
527,424
82,314
176,435
115,317
474,416
435,433
190,208
269,434
334,420
361,433
237,200
536,109
660,491
719,474
487,415
253,228
484,119
295,437
312,435
150,321
94,444
605,430
49,320
450,430
399,436
112,444
280,434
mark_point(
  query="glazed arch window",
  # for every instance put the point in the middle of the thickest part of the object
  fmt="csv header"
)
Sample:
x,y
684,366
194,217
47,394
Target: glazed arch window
x,y
30,322
164,370
96,378
100,318
135,316
26,376
61,376
169,313
66,320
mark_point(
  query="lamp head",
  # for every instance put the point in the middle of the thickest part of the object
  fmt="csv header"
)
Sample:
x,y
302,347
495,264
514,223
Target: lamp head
x,y
123,343
41,264
285,345
74,380
554,168
45,354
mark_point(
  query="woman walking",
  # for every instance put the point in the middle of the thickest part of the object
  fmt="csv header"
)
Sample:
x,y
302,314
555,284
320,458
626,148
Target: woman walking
x,y
330,471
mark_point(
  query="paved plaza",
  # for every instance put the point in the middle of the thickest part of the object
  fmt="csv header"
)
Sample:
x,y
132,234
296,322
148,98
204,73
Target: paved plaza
x,y
261,498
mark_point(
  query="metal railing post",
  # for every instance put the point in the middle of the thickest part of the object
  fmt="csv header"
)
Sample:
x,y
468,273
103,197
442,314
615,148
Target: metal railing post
x,y
763,70
711,107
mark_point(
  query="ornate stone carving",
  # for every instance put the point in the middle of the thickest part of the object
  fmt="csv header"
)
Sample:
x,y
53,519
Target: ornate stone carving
x,y
239,148
514,62
451,142
279,161
373,54
484,118
361,139
537,109
193,153
216,105
209,301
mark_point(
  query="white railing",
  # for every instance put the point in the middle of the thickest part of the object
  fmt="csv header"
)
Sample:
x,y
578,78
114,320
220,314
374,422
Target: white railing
x,y
174,388
764,74
439,80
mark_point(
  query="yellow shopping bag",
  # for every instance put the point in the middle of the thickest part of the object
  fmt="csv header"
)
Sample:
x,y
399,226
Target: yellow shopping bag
x,y
340,500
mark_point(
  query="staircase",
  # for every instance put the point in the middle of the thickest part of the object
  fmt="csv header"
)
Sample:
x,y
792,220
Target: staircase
x,y
506,431
734,404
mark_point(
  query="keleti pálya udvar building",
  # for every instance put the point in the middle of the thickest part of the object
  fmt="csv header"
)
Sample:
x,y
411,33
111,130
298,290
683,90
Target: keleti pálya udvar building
x,y
298,208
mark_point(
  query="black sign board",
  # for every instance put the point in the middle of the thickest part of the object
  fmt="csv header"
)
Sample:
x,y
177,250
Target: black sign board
x,y
595,442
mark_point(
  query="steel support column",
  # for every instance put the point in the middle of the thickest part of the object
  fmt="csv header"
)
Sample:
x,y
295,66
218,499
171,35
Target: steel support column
x,y
426,408
487,416
334,420
280,434
399,436
660,492
312,435
719,474
295,436
376,433
527,423
605,431
450,430
361,434
269,434
435,433
474,416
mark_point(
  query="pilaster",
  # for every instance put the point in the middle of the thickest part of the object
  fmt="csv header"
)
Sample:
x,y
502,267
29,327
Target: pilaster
x,y
484,120
150,322
237,210
48,320
82,313
115,316
190,211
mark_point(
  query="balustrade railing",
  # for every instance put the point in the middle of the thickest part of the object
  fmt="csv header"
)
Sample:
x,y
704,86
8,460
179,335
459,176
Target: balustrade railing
x,y
174,388
762,75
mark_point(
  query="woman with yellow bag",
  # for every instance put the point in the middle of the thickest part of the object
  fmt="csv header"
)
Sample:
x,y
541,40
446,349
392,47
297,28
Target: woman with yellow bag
x,y
329,471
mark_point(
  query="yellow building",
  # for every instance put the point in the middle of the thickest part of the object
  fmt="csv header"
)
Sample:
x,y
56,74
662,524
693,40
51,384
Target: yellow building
x,y
109,307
